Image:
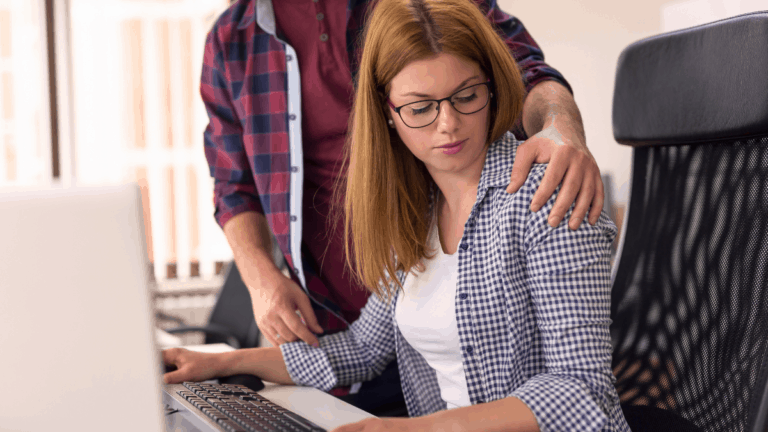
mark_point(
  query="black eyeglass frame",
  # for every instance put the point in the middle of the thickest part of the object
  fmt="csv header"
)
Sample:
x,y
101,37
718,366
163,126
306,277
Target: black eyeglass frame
x,y
440,103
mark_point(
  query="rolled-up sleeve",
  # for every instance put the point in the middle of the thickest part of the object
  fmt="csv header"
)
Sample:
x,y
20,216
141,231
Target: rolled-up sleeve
x,y
569,273
354,355
234,188
523,47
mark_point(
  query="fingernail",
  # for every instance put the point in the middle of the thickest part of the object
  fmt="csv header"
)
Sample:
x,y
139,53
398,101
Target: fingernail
x,y
552,221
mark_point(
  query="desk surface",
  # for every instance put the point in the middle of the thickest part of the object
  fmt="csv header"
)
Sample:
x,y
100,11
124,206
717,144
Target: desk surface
x,y
314,405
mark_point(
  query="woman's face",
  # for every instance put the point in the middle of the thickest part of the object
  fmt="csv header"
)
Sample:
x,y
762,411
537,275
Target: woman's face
x,y
454,142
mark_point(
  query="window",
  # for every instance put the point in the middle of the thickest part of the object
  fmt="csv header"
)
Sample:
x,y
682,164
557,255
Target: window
x,y
123,76
25,135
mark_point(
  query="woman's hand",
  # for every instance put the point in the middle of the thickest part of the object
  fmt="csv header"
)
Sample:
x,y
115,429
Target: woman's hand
x,y
191,365
387,424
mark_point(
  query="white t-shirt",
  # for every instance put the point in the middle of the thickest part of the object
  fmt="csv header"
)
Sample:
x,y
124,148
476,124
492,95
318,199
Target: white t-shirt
x,y
426,316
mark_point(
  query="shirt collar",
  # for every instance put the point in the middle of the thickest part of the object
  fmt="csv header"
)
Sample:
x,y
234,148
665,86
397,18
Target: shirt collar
x,y
498,162
260,11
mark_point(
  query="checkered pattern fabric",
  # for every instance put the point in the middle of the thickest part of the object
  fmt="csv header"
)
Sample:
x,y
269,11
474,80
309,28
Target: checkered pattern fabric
x,y
533,312
251,140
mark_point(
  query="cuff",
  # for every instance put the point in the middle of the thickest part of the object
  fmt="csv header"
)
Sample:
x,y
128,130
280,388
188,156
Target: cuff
x,y
308,366
561,404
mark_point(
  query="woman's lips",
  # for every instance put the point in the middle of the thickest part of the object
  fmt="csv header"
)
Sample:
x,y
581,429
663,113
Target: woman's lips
x,y
452,148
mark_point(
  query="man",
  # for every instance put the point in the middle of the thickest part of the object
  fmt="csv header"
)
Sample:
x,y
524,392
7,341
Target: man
x,y
275,139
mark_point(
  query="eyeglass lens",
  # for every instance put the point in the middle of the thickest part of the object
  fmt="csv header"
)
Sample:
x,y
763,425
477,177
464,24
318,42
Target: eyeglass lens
x,y
466,101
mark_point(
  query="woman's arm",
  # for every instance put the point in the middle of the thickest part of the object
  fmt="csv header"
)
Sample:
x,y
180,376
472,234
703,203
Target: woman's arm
x,y
509,414
265,363
568,276
354,355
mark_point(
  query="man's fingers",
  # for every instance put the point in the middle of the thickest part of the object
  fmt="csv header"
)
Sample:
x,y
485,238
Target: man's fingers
x,y
300,329
524,158
565,198
597,202
282,333
552,177
582,204
269,336
307,314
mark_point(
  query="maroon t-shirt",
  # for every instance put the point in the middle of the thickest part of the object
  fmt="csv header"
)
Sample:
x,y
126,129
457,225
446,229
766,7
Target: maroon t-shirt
x,y
319,39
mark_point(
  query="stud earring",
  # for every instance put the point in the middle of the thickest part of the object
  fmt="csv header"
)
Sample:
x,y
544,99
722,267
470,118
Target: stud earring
x,y
391,123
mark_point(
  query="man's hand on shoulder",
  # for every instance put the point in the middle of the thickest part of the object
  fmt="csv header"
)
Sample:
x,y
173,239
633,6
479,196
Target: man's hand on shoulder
x,y
553,122
570,163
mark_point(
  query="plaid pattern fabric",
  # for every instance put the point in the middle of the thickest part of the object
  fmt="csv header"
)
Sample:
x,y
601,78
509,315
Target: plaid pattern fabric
x,y
533,313
253,145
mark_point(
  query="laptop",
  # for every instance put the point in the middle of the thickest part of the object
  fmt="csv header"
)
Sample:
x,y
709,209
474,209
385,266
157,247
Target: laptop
x,y
77,348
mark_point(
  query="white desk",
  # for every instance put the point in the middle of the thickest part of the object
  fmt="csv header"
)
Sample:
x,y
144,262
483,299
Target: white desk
x,y
314,405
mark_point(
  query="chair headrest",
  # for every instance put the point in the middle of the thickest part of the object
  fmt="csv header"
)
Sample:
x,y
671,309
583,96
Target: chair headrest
x,y
695,85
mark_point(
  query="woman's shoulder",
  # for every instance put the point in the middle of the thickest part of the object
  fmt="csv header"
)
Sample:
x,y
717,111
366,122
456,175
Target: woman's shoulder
x,y
497,171
516,207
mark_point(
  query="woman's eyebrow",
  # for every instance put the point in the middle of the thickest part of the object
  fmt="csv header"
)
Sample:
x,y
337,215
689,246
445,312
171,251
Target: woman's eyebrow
x,y
458,87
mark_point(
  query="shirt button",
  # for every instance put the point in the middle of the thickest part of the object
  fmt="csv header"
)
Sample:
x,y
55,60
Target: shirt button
x,y
320,16
294,169
480,400
470,350
464,246
324,37
463,296
288,57
292,117
294,218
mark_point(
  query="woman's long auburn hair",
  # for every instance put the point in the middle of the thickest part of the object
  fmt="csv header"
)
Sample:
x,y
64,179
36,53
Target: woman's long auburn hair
x,y
387,190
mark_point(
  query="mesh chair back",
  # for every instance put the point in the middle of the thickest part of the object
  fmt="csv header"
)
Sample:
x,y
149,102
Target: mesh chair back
x,y
690,295
690,299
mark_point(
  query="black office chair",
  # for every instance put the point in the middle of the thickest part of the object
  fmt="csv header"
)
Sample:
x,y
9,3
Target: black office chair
x,y
231,320
690,286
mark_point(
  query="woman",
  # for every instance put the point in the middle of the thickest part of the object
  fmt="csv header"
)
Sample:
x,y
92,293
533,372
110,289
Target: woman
x,y
491,312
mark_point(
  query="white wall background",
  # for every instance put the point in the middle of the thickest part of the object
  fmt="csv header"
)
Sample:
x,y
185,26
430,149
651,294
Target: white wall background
x,y
583,40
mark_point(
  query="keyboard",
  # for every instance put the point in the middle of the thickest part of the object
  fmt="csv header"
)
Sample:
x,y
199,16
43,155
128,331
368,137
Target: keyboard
x,y
237,408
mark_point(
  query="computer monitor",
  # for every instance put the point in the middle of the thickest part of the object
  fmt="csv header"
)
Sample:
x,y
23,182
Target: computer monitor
x,y
76,327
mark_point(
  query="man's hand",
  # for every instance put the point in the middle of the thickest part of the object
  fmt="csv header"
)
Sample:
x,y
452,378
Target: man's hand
x,y
553,122
275,297
190,365
276,300
569,163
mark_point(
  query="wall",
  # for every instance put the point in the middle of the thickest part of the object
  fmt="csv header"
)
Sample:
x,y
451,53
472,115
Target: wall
x,y
583,39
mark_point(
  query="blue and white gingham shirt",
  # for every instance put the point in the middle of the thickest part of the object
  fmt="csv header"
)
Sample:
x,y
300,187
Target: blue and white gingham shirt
x,y
532,307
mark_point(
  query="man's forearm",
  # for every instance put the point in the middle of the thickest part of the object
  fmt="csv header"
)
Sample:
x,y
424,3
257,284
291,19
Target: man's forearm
x,y
550,103
249,237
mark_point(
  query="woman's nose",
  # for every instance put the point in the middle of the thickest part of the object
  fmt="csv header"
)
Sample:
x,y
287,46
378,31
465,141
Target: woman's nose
x,y
448,118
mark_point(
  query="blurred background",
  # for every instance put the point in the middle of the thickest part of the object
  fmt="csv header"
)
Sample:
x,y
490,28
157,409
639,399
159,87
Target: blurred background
x,y
96,92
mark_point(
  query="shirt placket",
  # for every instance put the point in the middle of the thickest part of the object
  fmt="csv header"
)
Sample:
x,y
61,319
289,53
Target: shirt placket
x,y
463,300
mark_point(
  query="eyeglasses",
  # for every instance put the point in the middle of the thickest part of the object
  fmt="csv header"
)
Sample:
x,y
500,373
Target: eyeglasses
x,y
468,100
